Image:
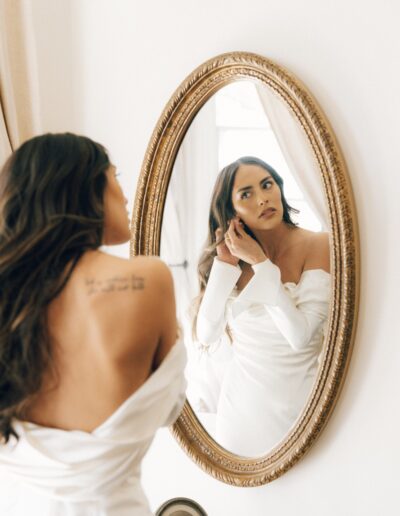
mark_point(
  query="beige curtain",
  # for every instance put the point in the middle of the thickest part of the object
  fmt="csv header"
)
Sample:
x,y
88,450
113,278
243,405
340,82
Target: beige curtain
x,y
19,98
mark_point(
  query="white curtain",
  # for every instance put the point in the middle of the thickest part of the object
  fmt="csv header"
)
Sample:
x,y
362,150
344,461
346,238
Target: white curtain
x,y
19,98
5,144
185,220
296,150
184,232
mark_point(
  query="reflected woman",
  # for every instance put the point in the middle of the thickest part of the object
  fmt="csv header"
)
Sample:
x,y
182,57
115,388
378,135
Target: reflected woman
x,y
89,363
265,281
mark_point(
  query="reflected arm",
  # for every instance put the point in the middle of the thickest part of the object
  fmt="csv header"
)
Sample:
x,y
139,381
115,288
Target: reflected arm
x,y
211,320
297,324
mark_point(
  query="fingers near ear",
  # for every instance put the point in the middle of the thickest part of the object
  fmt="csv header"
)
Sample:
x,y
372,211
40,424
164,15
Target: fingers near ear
x,y
231,231
238,228
219,236
228,243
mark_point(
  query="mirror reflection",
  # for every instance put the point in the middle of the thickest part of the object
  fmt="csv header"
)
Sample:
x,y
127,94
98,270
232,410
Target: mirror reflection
x,y
245,233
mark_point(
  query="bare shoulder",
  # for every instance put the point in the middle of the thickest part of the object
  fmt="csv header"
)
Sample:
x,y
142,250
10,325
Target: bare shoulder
x,y
107,274
318,251
122,289
131,301
150,265
149,302
152,273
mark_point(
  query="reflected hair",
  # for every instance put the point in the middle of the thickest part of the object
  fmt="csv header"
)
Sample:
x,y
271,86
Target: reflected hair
x,y
222,212
51,212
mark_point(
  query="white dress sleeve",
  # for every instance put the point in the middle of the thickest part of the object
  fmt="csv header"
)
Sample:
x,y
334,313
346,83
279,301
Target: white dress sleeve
x,y
211,320
297,324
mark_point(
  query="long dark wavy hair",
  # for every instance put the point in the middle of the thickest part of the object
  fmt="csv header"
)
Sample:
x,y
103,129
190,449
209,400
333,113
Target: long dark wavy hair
x,y
51,212
222,211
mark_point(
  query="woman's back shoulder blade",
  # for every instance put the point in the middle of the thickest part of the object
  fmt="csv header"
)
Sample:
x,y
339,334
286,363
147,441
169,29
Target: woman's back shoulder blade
x,y
131,299
159,310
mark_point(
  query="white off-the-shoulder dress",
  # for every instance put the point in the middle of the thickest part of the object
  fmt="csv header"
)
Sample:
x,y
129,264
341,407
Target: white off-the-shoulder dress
x,y
277,333
52,472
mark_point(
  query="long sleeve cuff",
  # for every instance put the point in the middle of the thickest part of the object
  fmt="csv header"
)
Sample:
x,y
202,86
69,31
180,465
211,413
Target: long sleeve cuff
x,y
222,280
264,286
211,316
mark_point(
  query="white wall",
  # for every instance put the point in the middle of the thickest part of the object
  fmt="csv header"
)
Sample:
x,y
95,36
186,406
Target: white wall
x,y
107,69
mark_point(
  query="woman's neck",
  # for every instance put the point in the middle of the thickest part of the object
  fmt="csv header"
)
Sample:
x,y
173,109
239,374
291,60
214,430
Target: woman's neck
x,y
275,241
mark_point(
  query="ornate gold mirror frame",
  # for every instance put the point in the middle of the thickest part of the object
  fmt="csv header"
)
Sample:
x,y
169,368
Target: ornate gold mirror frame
x,y
146,233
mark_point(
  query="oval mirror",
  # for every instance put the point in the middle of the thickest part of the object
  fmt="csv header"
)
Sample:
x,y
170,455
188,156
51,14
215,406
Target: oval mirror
x,y
244,194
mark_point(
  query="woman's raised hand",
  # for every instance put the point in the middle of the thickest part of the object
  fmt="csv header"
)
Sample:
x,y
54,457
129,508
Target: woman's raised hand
x,y
223,253
241,245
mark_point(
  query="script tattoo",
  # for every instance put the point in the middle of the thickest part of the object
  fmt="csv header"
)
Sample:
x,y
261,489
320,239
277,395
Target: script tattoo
x,y
114,284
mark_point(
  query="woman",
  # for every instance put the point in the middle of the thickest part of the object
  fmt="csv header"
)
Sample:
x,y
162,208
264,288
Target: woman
x,y
89,364
266,282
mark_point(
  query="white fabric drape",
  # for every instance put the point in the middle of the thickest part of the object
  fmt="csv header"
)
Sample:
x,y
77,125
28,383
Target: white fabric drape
x,y
19,97
5,144
55,472
296,150
185,225
185,220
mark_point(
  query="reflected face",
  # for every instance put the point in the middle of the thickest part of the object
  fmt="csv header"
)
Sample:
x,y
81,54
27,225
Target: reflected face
x,y
256,198
116,219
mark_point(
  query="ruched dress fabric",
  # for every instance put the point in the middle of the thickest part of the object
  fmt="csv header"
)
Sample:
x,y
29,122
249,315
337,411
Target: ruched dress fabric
x,y
277,333
52,472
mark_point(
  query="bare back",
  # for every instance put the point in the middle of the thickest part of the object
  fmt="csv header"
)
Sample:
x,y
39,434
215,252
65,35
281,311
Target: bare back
x,y
110,328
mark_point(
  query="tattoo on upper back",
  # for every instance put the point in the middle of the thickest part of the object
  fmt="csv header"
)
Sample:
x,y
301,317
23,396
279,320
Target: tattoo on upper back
x,y
114,284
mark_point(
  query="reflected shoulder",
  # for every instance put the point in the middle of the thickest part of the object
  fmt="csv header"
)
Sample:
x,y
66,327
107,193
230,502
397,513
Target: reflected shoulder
x,y
318,254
